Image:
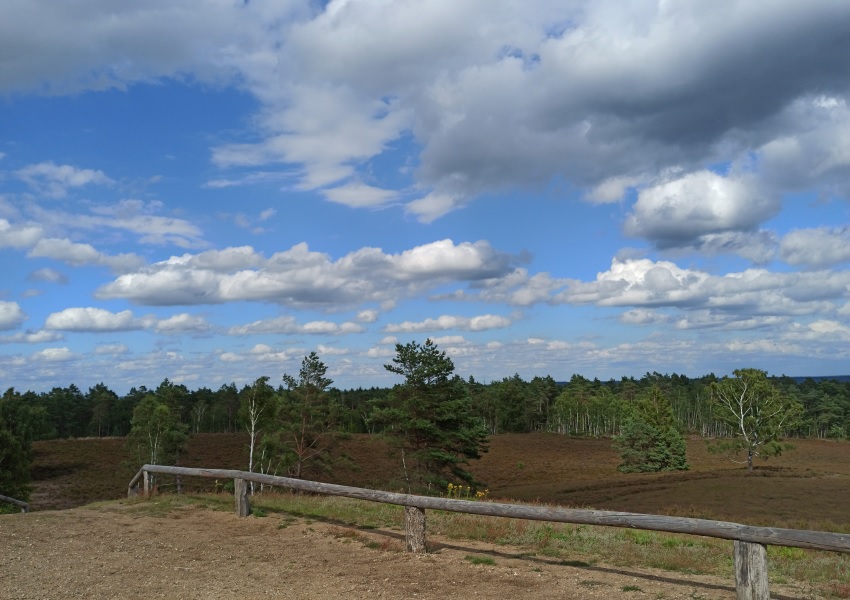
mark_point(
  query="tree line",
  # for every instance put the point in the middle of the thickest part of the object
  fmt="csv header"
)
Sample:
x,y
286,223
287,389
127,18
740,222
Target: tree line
x,y
438,420
578,406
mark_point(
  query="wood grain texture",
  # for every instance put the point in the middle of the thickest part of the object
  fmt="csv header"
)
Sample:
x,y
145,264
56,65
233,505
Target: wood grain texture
x,y
797,538
751,580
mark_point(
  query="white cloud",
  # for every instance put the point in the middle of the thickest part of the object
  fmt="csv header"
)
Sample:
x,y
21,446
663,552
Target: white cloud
x,y
288,325
331,350
449,340
367,316
19,236
111,349
134,216
821,330
300,277
182,323
643,316
817,248
31,337
11,315
492,95
359,195
644,283
682,210
92,319
79,255
54,355
53,181
477,323
379,352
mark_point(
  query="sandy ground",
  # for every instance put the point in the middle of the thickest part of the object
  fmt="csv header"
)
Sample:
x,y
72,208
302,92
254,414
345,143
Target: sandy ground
x,y
118,552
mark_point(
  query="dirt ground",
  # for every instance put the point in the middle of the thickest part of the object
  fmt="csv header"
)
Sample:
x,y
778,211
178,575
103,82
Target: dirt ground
x,y
118,551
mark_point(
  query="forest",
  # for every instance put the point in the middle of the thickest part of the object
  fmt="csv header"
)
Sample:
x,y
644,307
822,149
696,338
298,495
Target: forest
x,y
438,420
579,406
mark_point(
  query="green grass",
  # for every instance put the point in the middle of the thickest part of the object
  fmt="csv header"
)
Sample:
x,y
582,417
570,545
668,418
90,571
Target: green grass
x,y
480,560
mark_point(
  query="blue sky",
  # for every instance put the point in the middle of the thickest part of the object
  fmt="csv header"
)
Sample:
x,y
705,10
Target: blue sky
x,y
209,190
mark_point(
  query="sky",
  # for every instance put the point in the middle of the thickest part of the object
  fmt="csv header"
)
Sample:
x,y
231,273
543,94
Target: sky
x,y
208,190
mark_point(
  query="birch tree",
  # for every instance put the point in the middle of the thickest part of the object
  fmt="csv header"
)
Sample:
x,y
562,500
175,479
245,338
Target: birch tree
x,y
256,411
756,411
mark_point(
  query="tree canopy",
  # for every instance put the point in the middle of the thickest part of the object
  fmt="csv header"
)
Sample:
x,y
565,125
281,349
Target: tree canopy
x,y
756,411
430,417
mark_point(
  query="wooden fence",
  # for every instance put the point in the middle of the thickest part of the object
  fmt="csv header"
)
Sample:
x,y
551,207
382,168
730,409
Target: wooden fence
x,y
23,505
749,548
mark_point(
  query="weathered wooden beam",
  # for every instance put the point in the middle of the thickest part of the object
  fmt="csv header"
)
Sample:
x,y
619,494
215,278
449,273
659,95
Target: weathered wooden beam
x,y
19,503
240,493
751,581
133,486
146,482
817,540
414,529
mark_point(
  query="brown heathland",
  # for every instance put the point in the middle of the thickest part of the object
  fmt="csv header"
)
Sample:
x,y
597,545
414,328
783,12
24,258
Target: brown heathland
x,y
806,487
173,548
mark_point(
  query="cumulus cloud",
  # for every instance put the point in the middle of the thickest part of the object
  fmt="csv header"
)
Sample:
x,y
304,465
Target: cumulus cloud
x,y
477,323
31,337
820,330
816,248
301,277
11,315
19,236
682,210
78,255
324,350
645,283
92,319
367,316
50,355
490,95
111,349
181,323
289,325
53,181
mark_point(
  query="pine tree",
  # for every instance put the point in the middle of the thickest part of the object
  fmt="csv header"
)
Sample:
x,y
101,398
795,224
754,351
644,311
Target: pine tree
x,y
649,440
431,419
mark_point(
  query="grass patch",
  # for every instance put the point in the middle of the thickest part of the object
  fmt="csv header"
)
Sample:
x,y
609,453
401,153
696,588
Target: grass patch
x,y
631,588
480,560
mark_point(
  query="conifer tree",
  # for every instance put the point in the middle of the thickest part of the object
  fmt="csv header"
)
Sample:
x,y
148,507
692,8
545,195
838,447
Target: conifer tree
x,y
431,419
649,440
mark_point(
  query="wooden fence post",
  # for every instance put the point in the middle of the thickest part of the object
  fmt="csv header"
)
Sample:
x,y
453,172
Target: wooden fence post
x,y
414,529
240,492
751,571
146,483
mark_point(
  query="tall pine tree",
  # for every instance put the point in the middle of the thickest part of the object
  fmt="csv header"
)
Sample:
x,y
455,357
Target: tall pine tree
x,y
431,419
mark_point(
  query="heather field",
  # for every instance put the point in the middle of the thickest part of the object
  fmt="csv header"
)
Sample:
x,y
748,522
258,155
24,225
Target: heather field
x,y
806,487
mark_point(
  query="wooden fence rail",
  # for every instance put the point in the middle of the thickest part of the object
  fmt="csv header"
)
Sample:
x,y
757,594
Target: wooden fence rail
x,y
750,552
23,505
